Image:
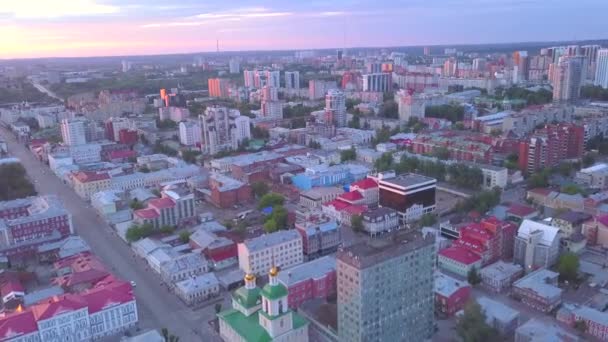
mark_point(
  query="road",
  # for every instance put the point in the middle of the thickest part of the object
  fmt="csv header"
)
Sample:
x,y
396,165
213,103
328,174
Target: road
x,y
158,308
45,90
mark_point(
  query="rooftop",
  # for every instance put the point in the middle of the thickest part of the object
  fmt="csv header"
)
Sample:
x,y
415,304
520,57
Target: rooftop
x,y
574,217
318,193
520,210
447,286
272,239
601,167
197,283
496,310
537,282
372,252
365,183
541,331
460,254
314,269
408,180
183,262
529,227
501,270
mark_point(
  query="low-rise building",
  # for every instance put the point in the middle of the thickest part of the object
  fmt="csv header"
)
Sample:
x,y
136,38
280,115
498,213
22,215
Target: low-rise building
x,y
220,251
282,249
595,176
494,176
450,294
315,197
539,290
536,245
536,330
173,208
227,191
368,188
458,260
320,235
596,322
185,266
198,288
380,220
499,316
310,280
499,276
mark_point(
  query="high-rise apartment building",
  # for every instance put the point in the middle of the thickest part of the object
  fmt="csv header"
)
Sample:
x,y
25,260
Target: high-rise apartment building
x,y
551,145
521,65
271,107
590,53
73,131
567,78
335,108
218,87
318,88
249,78
234,66
378,82
292,79
601,69
223,129
273,78
190,133
385,289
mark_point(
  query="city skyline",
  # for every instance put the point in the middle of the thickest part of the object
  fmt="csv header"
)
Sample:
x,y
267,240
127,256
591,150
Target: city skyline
x,y
82,28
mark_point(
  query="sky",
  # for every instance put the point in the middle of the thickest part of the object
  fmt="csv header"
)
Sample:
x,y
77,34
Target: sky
x,y
66,28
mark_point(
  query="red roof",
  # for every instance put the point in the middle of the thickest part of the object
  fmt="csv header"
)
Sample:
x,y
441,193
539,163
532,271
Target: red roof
x,y
351,196
162,203
541,191
85,269
148,213
57,305
337,204
122,154
460,255
355,209
10,286
221,254
364,184
114,293
603,220
85,176
19,323
520,210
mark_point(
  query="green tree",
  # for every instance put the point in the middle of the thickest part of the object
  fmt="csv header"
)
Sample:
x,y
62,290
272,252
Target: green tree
x,y
259,188
589,159
356,223
451,112
14,182
135,204
270,226
539,179
441,153
472,326
184,236
346,155
168,336
137,232
271,199
567,266
571,189
190,156
473,276
581,326
389,109
427,220
385,162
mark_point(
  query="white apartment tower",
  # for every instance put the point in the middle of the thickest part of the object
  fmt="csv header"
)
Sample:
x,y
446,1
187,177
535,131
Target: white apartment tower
x,y
335,107
73,131
292,79
567,77
190,133
601,68
234,66
222,129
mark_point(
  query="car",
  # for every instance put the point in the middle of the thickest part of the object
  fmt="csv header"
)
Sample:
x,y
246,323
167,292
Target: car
x,y
133,283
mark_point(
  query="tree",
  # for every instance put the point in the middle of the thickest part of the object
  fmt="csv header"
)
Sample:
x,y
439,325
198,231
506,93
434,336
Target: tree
x,y
271,199
137,232
389,109
539,179
451,112
277,219
356,222
218,308
589,159
190,156
427,220
185,236
168,336
385,162
144,169
473,276
472,326
314,145
270,226
346,155
581,326
135,204
441,153
14,182
567,266
259,188
571,189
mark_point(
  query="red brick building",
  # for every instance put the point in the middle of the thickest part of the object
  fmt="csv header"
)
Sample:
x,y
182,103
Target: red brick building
x,y
227,191
450,294
314,279
127,137
551,145
459,146
491,239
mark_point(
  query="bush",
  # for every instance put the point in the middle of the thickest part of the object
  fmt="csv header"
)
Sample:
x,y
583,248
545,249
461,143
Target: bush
x,y
14,182
270,200
137,232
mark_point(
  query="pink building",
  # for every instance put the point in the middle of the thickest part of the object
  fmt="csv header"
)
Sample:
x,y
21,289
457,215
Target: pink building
x,y
314,279
450,294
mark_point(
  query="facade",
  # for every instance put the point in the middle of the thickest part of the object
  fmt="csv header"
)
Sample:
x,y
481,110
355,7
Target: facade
x,y
499,276
85,183
494,176
385,289
220,251
601,71
567,78
318,88
596,322
536,330
282,249
223,129
73,131
539,290
227,191
377,82
335,108
490,239
198,288
315,197
182,267
595,176
218,87
310,280
368,188
380,220
171,209
173,113
411,195
190,133
292,79
536,245
458,260
27,223
551,145
320,236
450,294
262,314
499,316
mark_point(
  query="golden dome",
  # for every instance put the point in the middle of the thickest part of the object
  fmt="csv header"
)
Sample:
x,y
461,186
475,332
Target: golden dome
x,y
249,277
273,271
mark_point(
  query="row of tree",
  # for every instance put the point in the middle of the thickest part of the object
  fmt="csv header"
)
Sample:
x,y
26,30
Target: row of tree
x,y
451,112
481,201
14,182
137,232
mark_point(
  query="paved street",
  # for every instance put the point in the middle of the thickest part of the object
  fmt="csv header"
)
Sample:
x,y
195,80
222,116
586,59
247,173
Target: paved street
x,y
157,307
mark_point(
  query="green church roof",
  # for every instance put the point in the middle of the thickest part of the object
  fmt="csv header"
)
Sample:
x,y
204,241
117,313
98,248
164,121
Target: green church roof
x,y
247,298
248,328
274,292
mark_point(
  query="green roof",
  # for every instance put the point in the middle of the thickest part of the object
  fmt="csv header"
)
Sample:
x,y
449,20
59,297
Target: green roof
x,y
247,298
248,328
274,292
298,321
